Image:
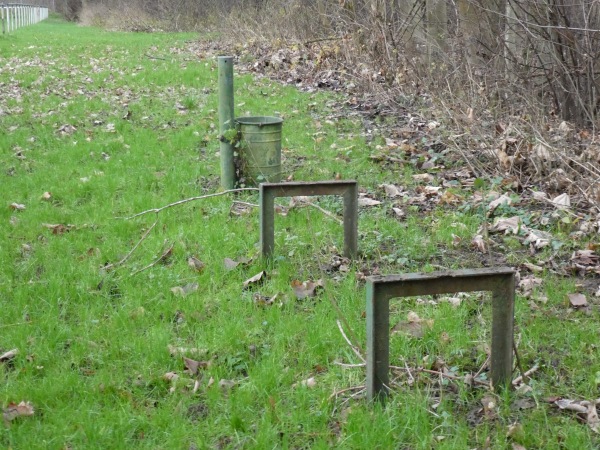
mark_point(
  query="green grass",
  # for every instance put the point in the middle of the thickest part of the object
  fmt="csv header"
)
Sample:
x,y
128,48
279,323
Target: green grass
x,y
94,345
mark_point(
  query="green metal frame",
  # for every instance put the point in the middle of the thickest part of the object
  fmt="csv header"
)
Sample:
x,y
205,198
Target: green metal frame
x,y
347,189
380,289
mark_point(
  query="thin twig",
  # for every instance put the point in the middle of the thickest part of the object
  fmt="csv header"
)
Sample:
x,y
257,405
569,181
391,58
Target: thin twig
x,y
14,324
187,200
126,257
251,205
154,57
526,375
483,366
352,346
155,262
349,365
352,388
518,359
327,213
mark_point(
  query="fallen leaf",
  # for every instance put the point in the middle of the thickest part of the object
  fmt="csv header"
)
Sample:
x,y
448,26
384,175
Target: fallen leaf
x,y
479,243
426,177
307,288
195,264
502,200
563,201
527,284
257,279
264,300
182,291
192,366
413,326
577,300
11,354
399,213
170,377
230,264
14,411
592,417
391,190
17,207
512,224
489,407
532,267
58,228
309,383
366,201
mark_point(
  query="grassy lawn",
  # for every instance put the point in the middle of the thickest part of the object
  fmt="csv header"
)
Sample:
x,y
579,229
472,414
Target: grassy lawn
x,y
97,126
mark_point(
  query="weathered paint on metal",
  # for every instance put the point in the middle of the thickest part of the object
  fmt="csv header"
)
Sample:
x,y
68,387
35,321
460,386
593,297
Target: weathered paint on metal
x,y
380,289
347,189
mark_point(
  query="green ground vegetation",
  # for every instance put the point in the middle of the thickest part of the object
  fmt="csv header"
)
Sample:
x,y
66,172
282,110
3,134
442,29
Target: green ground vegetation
x,y
97,126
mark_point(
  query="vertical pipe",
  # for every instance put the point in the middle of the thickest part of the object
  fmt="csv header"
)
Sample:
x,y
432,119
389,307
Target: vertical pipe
x,y
503,305
351,221
226,120
267,221
378,343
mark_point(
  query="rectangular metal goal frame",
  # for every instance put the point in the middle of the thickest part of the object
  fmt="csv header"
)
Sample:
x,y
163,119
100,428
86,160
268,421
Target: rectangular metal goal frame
x,y
347,189
380,289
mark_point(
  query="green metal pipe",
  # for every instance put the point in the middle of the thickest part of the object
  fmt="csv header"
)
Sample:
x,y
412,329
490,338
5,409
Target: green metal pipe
x,y
226,120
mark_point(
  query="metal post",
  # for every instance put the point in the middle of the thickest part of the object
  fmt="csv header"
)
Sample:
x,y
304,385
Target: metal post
x,y
380,289
269,191
226,120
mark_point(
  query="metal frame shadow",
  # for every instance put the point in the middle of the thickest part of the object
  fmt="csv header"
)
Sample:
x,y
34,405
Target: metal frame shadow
x,y
347,189
380,289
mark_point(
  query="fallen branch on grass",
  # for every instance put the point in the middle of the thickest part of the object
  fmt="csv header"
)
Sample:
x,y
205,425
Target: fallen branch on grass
x,y
126,257
187,200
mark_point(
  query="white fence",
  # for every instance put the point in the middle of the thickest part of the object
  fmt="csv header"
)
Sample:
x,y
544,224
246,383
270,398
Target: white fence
x,y
16,15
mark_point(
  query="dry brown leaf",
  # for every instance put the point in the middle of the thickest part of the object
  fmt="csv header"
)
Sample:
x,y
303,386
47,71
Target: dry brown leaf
x,y
307,288
257,279
182,291
528,283
58,228
563,201
309,383
230,264
195,264
17,207
399,213
413,326
426,177
7,356
264,300
14,411
534,268
391,190
479,243
508,225
192,366
502,200
366,201
170,376
577,300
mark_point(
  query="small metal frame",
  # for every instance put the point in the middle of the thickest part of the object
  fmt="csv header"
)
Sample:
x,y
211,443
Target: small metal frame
x,y
380,289
347,189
